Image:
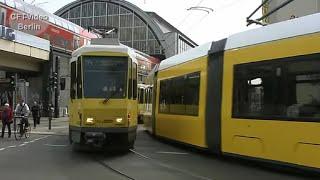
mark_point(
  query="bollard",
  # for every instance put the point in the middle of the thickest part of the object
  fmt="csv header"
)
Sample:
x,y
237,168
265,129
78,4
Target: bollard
x,y
50,118
50,115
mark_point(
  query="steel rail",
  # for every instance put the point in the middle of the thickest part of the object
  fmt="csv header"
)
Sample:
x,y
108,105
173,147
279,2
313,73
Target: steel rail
x,y
169,166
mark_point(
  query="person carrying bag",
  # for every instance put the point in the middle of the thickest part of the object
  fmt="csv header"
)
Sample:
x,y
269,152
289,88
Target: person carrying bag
x,y
7,119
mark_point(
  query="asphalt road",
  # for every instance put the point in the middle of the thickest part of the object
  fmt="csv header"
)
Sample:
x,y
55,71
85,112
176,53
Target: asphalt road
x,y
51,157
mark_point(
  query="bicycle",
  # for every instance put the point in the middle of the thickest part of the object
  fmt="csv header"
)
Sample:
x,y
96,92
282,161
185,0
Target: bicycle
x,y
21,129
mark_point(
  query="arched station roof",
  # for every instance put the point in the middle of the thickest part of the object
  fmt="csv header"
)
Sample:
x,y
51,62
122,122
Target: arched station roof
x,y
151,24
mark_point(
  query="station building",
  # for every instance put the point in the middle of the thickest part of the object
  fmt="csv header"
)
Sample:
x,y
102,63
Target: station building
x,y
144,31
35,44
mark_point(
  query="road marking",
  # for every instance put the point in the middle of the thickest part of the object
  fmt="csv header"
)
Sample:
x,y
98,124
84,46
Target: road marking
x,y
42,138
57,145
42,132
59,127
174,153
24,143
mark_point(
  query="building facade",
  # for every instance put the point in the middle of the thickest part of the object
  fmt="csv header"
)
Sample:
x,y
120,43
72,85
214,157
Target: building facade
x,y
22,59
34,46
294,9
145,31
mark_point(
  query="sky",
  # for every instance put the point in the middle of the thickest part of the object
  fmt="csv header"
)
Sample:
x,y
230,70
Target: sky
x,y
228,16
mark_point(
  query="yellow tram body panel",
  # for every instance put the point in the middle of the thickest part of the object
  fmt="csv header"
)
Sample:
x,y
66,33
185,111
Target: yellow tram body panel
x,y
286,141
182,128
104,114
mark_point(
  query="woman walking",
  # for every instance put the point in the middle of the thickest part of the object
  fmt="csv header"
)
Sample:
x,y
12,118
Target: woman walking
x,y
6,117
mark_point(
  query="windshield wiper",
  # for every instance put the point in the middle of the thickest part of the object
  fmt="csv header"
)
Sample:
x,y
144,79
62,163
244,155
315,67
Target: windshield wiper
x,y
105,101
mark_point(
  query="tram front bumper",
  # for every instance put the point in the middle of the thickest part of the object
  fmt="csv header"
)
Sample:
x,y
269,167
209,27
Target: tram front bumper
x,y
91,134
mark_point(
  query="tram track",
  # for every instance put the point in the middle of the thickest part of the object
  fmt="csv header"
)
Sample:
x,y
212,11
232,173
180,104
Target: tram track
x,y
115,170
148,161
169,166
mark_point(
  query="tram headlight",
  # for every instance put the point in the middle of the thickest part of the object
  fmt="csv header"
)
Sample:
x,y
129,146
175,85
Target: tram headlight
x,y
90,120
119,120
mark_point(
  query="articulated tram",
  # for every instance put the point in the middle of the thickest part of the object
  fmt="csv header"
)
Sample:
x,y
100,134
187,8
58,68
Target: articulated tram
x,y
255,95
103,105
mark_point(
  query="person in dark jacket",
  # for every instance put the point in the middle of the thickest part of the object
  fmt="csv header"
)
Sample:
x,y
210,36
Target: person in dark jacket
x,y
35,109
6,117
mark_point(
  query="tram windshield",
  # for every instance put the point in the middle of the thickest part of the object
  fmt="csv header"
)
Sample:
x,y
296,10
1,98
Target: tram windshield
x,y
105,77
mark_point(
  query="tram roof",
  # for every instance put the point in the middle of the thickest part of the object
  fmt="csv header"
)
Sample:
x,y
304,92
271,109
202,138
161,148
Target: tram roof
x,y
282,30
105,48
186,56
295,27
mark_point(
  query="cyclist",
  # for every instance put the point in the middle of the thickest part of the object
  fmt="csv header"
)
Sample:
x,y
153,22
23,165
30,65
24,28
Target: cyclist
x,y
22,109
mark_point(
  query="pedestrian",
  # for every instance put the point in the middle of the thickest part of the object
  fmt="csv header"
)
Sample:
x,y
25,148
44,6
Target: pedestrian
x,y
40,112
6,117
35,109
22,109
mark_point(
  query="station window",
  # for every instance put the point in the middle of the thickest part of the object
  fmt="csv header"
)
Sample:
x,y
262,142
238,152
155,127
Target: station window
x,y
283,89
2,16
180,95
62,84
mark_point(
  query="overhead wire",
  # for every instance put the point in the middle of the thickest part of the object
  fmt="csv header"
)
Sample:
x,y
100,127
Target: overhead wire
x,y
190,12
183,21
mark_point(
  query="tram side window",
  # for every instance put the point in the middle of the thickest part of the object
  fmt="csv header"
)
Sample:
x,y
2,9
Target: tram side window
x,y
149,95
141,95
134,78
73,80
130,80
180,95
79,78
284,89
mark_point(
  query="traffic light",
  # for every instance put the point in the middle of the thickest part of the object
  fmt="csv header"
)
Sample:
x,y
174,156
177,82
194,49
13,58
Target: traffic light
x,y
12,82
55,80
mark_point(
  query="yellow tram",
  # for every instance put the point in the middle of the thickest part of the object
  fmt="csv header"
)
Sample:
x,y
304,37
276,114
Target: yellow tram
x,y
103,105
255,94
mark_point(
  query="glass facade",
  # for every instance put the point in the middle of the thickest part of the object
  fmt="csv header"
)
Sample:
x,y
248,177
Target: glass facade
x,y
183,45
132,30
